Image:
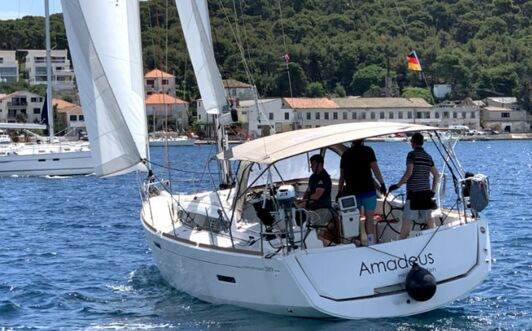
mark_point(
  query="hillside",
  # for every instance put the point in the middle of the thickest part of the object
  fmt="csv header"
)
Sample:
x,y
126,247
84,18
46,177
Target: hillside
x,y
482,47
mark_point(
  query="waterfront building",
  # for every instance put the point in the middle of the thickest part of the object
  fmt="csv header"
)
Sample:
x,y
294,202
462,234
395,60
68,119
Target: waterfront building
x,y
70,115
8,67
312,112
166,107
236,91
158,81
504,114
258,123
62,73
21,106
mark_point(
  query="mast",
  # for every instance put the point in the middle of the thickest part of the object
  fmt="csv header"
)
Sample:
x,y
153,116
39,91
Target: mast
x,y
48,71
222,146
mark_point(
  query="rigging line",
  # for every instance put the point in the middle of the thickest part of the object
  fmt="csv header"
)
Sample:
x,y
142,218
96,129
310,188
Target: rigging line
x,y
248,73
176,169
167,149
285,49
245,35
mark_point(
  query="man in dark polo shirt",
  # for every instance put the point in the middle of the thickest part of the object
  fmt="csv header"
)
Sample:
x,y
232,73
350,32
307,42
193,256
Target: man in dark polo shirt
x,y
419,194
317,197
356,167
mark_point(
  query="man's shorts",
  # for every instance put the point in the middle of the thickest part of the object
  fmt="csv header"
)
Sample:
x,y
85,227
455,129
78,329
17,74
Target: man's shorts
x,y
368,200
422,215
320,217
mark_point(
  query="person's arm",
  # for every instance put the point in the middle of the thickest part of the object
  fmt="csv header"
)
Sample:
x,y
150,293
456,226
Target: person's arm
x,y
317,194
377,172
435,178
341,181
408,172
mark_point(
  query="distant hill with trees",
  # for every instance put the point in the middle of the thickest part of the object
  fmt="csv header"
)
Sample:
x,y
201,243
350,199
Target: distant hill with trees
x,y
481,47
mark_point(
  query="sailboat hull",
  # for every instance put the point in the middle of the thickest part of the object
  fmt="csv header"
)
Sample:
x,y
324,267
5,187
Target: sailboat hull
x,y
343,281
47,164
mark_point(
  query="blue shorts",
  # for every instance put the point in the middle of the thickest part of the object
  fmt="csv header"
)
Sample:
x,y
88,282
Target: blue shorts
x,y
368,200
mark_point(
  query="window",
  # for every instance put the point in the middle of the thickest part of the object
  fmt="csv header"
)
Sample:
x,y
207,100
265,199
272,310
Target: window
x,y
73,118
363,116
437,114
400,115
326,115
286,116
165,81
505,115
81,118
33,99
335,115
372,115
353,115
36,110
391,115
270,116
308,116
317,116
419,114
455,114
409,114
426,114
344,115
472,114
445,114
150,82
463,114
381,115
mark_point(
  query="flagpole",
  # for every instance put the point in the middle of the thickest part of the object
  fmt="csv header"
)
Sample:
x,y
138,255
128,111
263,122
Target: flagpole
x,y
424,78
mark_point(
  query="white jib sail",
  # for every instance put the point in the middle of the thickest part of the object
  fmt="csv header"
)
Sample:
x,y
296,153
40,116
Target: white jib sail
x,y
104,40
194,17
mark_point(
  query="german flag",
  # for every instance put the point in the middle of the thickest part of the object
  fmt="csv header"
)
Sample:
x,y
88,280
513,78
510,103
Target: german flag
x,y
413,62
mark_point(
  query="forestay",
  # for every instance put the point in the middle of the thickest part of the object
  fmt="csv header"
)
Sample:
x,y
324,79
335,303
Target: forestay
x,y
104,40
194,17
277,147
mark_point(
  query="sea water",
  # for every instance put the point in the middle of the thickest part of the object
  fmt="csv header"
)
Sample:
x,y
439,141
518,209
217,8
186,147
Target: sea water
x,y
73,254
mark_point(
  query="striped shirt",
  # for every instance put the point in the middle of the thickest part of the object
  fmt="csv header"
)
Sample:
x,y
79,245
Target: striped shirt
x,y
420,178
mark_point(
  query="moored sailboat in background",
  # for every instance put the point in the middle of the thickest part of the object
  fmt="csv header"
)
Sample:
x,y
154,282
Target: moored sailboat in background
x,y
54,157
242,243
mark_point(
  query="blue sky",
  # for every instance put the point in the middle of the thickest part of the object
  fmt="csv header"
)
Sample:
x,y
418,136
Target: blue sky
x,y
13,9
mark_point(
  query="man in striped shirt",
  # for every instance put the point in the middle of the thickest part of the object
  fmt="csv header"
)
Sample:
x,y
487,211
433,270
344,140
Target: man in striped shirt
x,y
419,194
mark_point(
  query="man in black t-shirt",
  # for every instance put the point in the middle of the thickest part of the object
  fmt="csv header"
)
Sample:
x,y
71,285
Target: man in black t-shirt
x,y
356,167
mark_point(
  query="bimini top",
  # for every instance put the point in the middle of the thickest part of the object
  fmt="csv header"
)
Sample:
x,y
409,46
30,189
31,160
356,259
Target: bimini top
x,y
280,146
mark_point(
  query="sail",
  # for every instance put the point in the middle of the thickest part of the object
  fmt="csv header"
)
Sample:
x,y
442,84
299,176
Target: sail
x,y
104,40
194,17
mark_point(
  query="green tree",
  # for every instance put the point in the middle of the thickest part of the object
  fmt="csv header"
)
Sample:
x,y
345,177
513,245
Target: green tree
x,y
364,78
315,89
417,92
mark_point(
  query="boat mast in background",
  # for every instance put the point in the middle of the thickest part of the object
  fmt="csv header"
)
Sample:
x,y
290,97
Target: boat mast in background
x,y
48,71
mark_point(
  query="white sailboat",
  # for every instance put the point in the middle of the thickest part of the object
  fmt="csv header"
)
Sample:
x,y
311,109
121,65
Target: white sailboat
x,y
241,244
53,158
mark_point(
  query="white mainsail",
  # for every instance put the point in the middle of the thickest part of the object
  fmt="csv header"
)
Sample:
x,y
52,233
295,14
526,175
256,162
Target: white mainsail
x,y
105,43
194,17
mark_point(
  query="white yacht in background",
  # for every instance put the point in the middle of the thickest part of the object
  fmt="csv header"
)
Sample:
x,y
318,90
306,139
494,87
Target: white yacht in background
x,y
52,158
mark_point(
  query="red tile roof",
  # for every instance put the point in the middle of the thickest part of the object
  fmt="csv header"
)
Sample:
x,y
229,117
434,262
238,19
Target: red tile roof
x,y
67,107
156,73
299,103
163,99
